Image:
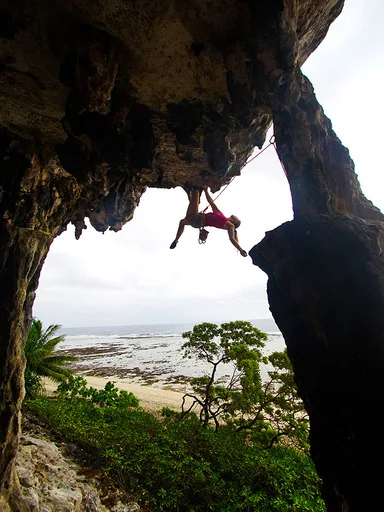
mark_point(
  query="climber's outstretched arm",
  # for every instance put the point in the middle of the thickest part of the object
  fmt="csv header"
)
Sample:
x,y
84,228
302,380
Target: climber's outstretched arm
x,y
231,233
210,200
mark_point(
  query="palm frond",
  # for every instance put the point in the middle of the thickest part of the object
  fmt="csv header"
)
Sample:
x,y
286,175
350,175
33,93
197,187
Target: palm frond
x,y
50,345
41,359
60,360
56,374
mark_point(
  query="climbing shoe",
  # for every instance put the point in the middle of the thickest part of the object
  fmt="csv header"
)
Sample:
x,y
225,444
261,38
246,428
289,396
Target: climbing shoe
x,y
173,244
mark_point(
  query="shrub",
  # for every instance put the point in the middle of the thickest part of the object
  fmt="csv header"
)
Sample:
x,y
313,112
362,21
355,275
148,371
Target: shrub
x,y
172,465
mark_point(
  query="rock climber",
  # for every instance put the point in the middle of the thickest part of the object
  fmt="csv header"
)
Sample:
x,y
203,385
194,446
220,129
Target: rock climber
x,y
215,219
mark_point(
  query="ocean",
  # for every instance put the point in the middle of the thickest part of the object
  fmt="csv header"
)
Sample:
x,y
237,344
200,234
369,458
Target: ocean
x,y
146,354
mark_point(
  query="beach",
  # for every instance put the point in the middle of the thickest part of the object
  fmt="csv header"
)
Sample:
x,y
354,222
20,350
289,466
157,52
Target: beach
x,y
152,399
147,355
146,360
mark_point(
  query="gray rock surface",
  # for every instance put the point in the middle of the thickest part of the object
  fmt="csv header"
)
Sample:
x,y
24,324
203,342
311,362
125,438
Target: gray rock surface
x,y
52,482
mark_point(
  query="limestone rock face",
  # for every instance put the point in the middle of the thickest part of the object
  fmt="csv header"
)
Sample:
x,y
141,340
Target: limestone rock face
x,y
325,291
148,93
326,294
102,99
50,482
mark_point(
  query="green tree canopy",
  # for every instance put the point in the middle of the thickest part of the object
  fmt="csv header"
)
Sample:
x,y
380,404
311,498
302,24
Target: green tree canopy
x,y
237,342
270,409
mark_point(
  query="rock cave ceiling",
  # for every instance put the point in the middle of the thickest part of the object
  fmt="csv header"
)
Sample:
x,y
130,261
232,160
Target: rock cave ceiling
x,y
112,97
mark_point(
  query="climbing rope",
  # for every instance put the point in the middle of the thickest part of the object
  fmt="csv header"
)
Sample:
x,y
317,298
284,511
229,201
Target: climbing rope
x,y
281,163
272,142
203,233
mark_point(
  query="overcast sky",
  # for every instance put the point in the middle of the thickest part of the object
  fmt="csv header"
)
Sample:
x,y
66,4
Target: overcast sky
x,y
132,277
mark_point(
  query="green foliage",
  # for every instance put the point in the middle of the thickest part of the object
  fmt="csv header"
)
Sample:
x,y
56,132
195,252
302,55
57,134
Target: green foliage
x,y
172,465
287,416
110,396
271,411
41,361
238,342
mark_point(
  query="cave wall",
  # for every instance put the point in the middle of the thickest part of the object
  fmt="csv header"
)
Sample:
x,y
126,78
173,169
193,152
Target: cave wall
x,y
101,100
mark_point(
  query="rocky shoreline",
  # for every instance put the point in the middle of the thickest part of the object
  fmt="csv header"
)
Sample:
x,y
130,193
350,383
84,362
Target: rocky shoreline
x,y
83,365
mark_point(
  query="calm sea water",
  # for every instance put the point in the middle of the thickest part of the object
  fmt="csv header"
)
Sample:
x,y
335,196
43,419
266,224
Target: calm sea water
x,y
146,354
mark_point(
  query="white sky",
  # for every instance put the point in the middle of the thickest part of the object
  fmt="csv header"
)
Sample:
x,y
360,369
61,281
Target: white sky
x,y
132,277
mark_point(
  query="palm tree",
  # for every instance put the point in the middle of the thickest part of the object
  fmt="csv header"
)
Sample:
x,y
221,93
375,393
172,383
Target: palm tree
x,y
41,359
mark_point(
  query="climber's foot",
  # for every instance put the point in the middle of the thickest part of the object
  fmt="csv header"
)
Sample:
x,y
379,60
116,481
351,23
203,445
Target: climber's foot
x,y
191,188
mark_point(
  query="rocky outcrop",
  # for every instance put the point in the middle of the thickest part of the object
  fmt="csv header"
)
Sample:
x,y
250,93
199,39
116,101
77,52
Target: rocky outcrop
x,y
100,100
326,294
325,291
53,477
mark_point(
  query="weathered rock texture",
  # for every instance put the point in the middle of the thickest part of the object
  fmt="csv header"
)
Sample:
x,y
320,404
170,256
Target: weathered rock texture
x,y
326,293
54,477
101,99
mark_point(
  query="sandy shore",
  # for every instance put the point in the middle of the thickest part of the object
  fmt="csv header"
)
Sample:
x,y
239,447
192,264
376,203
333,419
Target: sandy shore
x,y
151,399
